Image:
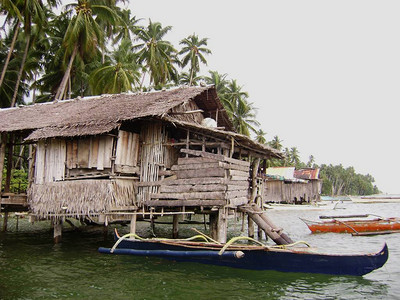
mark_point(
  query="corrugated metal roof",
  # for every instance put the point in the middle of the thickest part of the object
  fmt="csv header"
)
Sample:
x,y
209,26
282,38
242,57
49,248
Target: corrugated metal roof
x,y
309,174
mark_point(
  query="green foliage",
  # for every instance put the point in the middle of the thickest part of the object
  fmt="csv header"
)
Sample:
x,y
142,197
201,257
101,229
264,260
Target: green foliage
x,y
19,181
338,180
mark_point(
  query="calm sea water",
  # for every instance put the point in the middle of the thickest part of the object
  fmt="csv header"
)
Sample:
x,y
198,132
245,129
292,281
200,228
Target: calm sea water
x,y
32,267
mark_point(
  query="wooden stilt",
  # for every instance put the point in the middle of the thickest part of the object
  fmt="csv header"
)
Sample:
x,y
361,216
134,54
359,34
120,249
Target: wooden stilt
x,y
152,225
259,232
9,164
250,227
175,224
219,225
5,221
133,224
57,231
3,142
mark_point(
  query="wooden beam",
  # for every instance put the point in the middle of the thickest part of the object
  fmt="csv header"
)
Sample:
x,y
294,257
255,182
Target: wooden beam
x,y
192,188
189,196
182,202
219,157
215,172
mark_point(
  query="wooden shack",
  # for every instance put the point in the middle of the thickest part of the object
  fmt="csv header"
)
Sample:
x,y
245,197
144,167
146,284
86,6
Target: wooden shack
x,y
287,185
133,156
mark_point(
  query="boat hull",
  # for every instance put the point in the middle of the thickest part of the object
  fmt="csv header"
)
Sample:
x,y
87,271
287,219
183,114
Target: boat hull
x,y
354,226
257,258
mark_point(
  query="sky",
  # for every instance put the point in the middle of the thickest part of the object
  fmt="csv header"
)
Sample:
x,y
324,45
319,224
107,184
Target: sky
x,y
324,75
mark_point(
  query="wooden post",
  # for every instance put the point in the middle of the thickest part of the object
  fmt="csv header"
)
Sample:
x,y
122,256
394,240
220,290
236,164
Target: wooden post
x,y
250,227
9,164
133,224
175,224
218,225
5,220
259,232
254,171
3,142
57,230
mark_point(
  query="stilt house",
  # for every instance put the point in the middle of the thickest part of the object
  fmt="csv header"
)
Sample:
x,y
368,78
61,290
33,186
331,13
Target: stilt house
x,y
287,185
129,155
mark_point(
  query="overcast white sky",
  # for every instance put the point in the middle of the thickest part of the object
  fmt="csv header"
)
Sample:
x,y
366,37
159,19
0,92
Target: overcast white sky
x,y
324,75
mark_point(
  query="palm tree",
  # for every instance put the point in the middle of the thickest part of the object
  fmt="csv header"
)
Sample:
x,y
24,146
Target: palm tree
x,y
13,13
260,136
119,75
83,35
33,11
193,51
219,81
294,156
239,109
276,143
157,54
184,79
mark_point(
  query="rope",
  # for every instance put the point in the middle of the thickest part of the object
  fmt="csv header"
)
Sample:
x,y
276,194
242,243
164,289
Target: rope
x,y
142,239
232,240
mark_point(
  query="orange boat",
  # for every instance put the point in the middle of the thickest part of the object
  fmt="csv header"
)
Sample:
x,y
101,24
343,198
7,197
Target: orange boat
x,y
356,227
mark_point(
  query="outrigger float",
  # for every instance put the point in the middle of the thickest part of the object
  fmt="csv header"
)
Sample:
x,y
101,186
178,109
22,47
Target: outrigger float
x,y
284,258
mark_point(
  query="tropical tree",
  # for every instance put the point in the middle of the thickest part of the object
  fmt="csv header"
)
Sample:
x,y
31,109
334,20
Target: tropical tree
x,y
84,35
193,52
13,15
157,54
260,136
220,82
185,79
241,112
119,75
32,11
276,143
294,156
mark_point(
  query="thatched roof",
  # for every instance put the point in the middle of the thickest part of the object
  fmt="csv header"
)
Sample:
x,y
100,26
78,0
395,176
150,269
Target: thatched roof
x,y
95,115
101,114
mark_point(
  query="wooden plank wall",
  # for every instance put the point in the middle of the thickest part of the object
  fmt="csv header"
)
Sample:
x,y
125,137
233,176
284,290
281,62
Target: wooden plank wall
x,y
127,149
278,191
50,161
207,177
90,153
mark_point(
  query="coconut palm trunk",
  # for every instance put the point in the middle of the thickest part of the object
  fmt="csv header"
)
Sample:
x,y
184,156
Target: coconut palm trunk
x,y
3,73
64,81
21,70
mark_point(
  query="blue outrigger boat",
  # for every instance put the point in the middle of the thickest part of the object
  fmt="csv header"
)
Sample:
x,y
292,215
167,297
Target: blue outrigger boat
x,y
253,257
